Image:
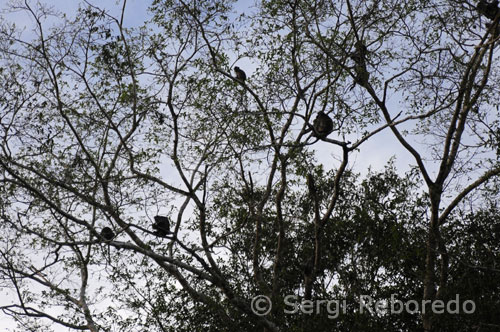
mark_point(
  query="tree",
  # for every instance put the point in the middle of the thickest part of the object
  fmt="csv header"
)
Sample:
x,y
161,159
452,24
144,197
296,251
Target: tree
x,y
103,125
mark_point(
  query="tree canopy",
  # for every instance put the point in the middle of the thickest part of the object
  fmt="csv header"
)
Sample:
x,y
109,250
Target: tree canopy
x,y
273,225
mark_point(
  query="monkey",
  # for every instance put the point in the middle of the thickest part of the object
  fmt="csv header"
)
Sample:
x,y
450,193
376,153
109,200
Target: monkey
x,y
488,9
359,55
322,125
161,226
240,74
362,75
359,58
107,234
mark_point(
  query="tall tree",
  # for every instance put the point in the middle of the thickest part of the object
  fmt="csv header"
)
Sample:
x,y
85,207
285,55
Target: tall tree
x,y
104,125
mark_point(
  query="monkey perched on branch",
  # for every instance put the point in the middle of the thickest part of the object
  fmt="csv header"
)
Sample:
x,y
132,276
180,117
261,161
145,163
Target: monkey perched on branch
x,y
240,74
488,9
161,226
107,234
322,125
359,58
